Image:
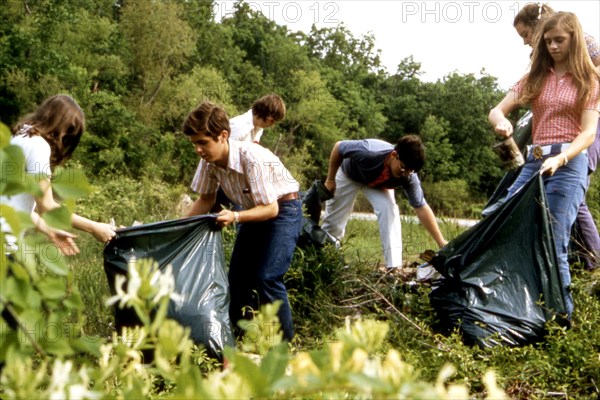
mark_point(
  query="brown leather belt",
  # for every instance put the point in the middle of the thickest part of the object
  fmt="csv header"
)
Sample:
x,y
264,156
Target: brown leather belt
x,y
288,197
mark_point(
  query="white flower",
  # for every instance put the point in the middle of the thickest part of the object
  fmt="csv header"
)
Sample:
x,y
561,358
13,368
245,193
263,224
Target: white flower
x,y
60,379
165,281
134,283
80,390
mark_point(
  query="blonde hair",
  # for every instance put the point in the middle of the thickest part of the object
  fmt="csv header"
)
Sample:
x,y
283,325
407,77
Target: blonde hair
x,y
579,63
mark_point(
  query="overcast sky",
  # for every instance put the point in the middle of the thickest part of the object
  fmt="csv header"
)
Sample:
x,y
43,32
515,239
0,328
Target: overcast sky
x,y
444,36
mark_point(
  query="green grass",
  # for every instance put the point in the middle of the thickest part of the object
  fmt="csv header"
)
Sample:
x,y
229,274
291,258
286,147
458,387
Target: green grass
x,y
364,244
328,286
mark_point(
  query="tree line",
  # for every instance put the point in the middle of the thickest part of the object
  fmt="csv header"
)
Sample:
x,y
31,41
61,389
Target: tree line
x,y
137,68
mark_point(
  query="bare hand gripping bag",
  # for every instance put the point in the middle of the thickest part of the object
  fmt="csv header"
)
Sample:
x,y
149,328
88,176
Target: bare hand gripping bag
x,y
193,247
501,280
521,137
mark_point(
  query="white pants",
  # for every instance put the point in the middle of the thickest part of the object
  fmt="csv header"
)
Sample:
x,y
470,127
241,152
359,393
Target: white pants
x,y
339,208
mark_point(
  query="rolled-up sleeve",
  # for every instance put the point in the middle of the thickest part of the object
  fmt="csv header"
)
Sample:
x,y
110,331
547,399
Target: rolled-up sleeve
x,y
414,192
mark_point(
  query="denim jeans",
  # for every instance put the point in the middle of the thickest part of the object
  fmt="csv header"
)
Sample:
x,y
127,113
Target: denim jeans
x,y
565,191
261,256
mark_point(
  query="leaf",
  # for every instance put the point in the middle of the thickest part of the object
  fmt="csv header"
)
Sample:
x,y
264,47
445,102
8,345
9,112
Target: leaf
x,y
274,363
54,261
58,345
5,135
88,344
10,217
59,218
52,288
70,183
74,301
13,177
251,373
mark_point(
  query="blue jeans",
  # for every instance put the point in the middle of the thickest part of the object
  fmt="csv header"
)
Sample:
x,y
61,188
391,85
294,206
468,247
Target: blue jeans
x,y
565,191
261,256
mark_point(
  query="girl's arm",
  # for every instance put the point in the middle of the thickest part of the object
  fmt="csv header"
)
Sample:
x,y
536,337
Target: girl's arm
x,y
101,231
497,115
589,123
62,239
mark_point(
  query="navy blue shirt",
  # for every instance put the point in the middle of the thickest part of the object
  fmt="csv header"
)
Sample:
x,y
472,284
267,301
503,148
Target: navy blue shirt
x,y
364,161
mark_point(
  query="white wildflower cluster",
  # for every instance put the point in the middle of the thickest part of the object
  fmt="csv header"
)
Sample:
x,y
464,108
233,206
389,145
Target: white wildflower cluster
x,y
69,384
144,281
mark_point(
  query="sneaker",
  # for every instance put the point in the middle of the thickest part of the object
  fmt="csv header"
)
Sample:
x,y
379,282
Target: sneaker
x,y
427,273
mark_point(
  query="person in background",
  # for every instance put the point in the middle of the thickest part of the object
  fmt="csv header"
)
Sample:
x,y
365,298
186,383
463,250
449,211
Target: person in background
x,y
265,112
562,130
248,127
585,229
376,168
48,138
270,222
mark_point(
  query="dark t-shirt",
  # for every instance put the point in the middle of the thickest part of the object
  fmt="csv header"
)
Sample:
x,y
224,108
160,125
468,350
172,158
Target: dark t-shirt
x,y
364,161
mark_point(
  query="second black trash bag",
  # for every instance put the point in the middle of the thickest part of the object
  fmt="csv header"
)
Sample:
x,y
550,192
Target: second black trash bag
x,y
193,247
501,279
522,138
312,234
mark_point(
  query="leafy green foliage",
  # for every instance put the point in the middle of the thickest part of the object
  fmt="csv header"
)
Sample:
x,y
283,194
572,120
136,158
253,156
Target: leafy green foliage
x,y
137,68
127,200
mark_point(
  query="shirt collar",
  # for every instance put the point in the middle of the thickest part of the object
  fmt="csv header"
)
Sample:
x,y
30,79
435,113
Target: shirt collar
x,y
234,162
551,70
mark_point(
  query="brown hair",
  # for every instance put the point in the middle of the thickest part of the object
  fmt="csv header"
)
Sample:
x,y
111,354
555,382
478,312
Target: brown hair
x,y
411,152
580,65
532,13
208,119
60,121
270,105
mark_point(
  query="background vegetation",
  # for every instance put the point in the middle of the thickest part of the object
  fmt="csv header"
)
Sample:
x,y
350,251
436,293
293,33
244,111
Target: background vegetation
x,y
138,67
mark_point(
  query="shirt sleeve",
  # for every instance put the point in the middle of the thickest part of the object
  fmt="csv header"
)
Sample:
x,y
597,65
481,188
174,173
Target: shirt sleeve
x,y
414,192
347,146
37,156
593,46
204,181
241,127
261,176
592,103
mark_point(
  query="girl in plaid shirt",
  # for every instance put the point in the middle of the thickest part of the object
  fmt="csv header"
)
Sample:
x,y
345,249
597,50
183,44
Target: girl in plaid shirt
x,y
562,88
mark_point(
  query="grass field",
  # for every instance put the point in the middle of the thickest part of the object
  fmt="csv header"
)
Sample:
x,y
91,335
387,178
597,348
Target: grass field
x,y
328,287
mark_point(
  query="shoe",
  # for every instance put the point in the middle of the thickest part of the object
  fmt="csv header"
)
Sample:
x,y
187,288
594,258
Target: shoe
x,y
427,273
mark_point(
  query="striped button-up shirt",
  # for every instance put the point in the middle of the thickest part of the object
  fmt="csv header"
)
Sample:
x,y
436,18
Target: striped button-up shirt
x,y
254,176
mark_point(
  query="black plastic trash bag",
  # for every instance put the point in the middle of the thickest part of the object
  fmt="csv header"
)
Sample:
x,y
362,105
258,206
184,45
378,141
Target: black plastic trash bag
x,y
522,137
312,234
501,276
193,247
